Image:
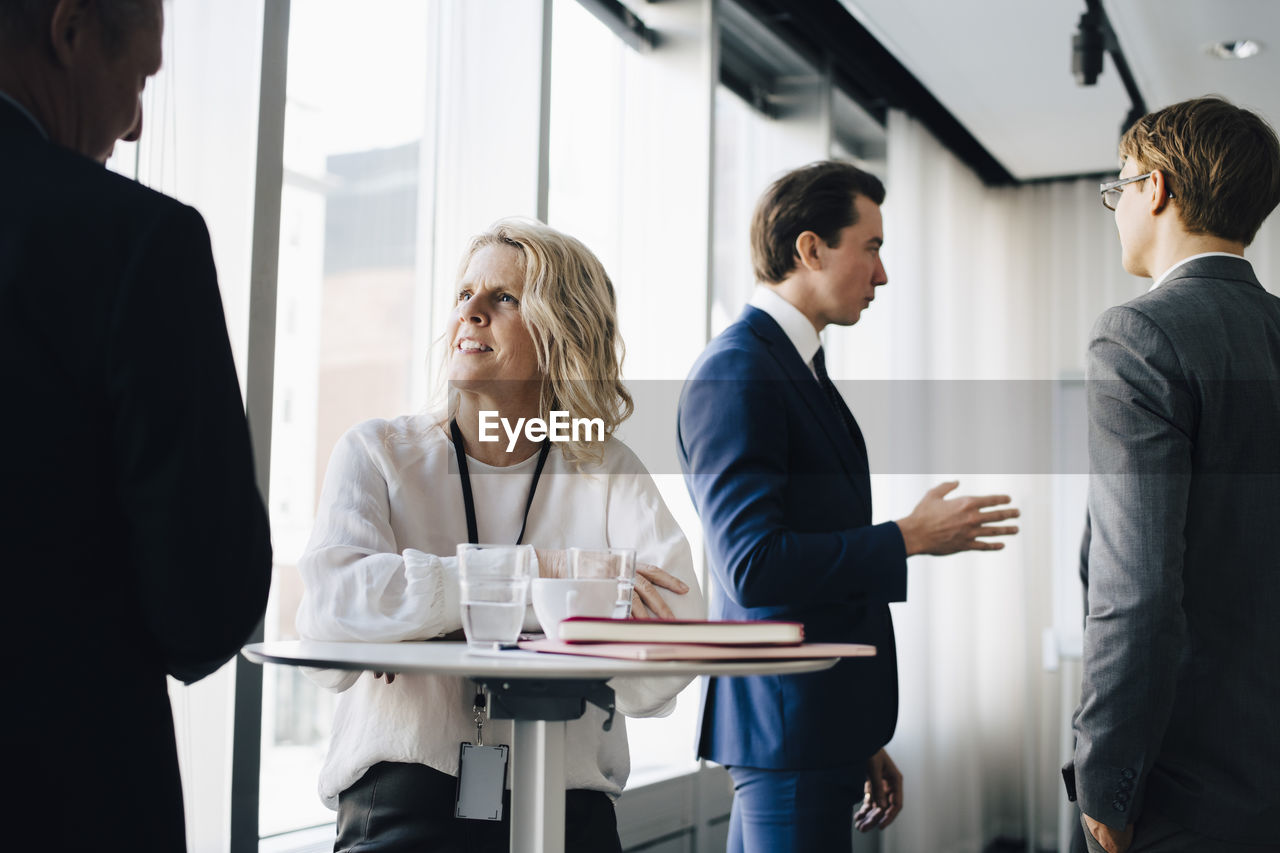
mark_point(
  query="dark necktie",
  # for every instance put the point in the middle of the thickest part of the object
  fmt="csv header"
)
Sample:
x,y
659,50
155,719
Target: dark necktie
x,y
837,403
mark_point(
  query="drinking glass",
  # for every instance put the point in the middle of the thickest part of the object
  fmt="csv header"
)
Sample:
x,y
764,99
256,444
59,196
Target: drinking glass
x,y
494,581
617,564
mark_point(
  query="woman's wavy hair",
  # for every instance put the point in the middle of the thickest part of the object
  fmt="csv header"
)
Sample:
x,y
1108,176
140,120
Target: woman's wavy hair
x,y
570,309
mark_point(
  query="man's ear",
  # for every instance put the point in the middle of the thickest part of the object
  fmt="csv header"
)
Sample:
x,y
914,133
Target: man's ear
x,y
67,29
1159,198
807,250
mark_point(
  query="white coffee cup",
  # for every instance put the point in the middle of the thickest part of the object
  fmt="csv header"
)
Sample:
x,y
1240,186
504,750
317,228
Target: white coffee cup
x,y
556,599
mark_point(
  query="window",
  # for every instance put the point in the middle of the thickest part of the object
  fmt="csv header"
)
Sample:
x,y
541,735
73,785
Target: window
x,y
372,150
599,157
351,285
772,114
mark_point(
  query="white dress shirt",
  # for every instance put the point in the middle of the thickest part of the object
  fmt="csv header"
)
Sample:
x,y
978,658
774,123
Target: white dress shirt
x,y
381,567
794,324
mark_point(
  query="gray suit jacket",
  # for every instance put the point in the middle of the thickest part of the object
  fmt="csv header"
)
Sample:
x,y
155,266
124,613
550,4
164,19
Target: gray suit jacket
x,y
1180,710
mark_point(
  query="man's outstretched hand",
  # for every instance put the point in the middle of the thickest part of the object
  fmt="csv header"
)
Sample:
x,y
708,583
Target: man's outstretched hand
x,y
940,525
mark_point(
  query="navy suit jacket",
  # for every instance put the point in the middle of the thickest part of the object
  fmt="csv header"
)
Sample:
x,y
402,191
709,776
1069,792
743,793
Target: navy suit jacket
x,y
784,494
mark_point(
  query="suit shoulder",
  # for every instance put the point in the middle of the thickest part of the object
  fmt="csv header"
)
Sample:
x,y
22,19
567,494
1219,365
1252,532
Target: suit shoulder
x,y
1191,309
1127,338
153,208
736,353
1141,318
89,192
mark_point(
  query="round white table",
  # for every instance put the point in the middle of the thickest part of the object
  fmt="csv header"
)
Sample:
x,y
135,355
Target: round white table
x,y
537,748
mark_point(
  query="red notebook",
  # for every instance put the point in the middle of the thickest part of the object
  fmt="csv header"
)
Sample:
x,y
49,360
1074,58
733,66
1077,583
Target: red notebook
x,y
585,629
689,651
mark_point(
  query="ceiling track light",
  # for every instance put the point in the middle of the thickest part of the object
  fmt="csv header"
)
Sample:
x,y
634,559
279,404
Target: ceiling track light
x,y
1093,38
1087,48
1233,49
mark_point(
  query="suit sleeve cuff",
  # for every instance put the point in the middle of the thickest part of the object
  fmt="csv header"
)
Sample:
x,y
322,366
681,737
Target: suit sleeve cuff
x,y
893,552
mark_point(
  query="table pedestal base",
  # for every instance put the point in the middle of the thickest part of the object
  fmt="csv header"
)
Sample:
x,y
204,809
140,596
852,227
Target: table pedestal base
x,y
539,709
537,787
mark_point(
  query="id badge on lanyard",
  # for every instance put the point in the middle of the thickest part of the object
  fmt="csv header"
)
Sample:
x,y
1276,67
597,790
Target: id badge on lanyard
x,y
482,773
482,770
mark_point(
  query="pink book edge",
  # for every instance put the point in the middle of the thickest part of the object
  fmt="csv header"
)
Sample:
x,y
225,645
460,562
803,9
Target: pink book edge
x,y
688,621
695,651
799,626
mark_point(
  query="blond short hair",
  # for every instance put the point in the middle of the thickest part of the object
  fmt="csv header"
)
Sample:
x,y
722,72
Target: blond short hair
x,y
1221,162
570,309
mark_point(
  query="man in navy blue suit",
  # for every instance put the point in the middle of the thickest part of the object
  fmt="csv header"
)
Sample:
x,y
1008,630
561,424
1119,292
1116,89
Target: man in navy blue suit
x,y
778,471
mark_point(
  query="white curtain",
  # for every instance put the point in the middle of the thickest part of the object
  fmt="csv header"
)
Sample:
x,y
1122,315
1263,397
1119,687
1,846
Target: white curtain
x,y
998,285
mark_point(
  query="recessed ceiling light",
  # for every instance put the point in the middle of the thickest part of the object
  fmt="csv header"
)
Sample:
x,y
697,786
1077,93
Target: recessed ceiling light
x,y
1235,49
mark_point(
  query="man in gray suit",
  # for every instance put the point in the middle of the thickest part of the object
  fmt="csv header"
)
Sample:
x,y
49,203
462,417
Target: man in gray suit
x,y
1178,729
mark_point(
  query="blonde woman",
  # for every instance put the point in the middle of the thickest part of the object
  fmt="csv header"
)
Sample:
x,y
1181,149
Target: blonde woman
x,y
534,330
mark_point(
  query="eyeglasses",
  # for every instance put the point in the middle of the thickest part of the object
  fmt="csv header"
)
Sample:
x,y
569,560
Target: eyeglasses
x,y
1112,190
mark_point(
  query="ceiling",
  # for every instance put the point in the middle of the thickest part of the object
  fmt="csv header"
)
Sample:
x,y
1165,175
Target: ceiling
x,y
1003,68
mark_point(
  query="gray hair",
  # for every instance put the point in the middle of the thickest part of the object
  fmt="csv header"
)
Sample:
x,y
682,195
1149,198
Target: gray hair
x,y
26,22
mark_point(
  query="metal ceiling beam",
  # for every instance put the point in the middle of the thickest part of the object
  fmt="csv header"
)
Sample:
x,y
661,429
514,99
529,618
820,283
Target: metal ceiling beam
x,y
871,75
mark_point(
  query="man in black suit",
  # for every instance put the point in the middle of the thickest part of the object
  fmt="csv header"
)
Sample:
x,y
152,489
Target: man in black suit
x,y
135,541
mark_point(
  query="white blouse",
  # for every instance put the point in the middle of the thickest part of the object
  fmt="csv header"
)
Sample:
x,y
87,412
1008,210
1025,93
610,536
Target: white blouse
x,y
380,567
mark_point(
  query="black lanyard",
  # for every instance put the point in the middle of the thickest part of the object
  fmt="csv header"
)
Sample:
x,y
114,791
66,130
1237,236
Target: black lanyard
x,y
473,535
